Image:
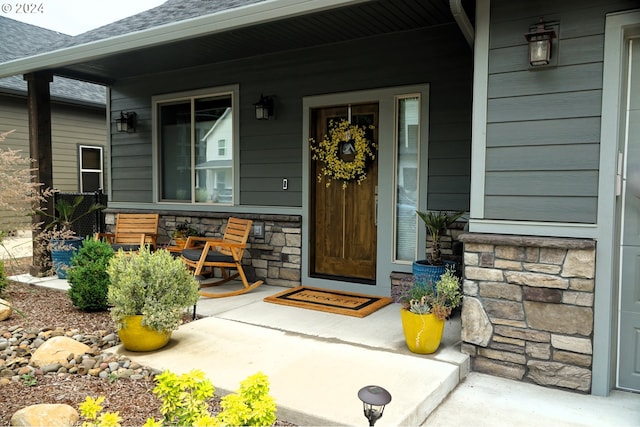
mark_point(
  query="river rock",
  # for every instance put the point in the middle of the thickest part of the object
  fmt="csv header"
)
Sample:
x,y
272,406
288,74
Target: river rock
x,y
56,350
6,309
45,414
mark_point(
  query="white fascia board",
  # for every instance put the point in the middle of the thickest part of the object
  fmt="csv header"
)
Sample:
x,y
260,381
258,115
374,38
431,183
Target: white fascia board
x,y
210,24
534,228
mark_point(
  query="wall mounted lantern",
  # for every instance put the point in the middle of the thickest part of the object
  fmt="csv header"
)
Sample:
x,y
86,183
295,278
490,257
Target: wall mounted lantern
x,y
542,39
374,399
126,122
264,108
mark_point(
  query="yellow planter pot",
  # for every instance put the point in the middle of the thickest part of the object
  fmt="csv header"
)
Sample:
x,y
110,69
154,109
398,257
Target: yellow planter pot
x,y
136,337
422,332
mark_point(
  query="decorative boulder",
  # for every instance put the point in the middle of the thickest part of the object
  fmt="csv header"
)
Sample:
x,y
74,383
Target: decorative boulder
x,y
6,309
57,350
45,414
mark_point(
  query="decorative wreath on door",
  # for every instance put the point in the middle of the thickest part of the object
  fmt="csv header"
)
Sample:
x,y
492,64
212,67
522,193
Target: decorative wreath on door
x,y
345,152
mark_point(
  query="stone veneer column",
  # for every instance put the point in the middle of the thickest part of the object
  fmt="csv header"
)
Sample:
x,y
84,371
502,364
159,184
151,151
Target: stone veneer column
x,y
528,308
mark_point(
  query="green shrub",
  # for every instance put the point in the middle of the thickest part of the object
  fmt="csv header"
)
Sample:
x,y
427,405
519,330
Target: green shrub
x,y
4,282
251,405
88,278
184,401
153,284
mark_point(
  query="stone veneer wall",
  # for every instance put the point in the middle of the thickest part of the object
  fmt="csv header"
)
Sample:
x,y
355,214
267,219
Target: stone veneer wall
x,y
528,308
275,258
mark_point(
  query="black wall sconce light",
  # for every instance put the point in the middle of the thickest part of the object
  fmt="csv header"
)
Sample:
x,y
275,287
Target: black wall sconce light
x,y
264,108
374,398
126,122
543,44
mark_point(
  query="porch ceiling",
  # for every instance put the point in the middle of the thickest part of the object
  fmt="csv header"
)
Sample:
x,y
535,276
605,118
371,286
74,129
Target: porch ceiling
x,y
355,21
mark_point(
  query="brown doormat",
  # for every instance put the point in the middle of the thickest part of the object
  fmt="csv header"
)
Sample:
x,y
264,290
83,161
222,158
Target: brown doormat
x,y
351,304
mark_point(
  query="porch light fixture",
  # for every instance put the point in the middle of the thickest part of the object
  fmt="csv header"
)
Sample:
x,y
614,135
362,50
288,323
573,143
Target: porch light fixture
x,y
374,399
126,122
541,40
264,108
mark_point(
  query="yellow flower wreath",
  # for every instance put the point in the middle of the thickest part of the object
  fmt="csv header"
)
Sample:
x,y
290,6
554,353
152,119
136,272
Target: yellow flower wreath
x,y
328,152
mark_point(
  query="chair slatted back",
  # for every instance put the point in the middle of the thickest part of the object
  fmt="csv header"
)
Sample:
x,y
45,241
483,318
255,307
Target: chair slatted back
x,y
130,227
237,232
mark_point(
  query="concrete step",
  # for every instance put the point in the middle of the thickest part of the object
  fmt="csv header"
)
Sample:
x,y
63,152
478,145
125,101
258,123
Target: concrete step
x,y
314,382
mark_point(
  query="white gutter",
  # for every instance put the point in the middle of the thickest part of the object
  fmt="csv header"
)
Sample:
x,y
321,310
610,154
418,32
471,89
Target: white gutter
x,y
463,21
219,22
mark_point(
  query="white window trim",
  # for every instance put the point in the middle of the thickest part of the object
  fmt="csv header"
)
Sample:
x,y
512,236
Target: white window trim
x,y
82,169
234,91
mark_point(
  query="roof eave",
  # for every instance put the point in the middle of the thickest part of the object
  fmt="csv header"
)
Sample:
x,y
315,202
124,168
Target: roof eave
x,y
210,24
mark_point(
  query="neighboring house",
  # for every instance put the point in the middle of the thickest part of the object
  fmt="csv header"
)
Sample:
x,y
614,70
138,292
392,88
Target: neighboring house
x,y
78,116
214,161
542,159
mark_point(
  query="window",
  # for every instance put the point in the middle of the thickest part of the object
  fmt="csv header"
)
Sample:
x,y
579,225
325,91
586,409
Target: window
x,y
406,176
222,146
195,164
91,165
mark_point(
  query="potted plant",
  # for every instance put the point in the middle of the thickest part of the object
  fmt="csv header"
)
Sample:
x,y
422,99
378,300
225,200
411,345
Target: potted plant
x,y
148,292
430,270
425,306
60,238
182,233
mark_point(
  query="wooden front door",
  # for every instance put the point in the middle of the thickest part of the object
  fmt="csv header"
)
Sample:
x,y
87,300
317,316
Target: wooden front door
x,y
343,221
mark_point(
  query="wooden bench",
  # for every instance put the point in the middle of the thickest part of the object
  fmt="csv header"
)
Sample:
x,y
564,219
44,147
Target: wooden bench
x,y
133,230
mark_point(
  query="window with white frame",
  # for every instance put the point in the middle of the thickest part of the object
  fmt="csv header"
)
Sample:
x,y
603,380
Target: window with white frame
x,y
406,176
195,164
222,146
91,168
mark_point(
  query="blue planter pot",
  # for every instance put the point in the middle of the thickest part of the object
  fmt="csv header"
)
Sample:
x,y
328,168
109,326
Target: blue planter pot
x,y
426,273
61,253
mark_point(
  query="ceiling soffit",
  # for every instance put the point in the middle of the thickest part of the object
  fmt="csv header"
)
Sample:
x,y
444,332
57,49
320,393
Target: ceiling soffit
x,y
358,21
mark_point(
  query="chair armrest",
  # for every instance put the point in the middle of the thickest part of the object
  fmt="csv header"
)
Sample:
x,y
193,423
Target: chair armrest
x,y
109,237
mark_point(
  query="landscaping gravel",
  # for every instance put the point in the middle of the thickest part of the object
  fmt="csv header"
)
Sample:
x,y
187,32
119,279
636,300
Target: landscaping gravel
x,y
44,313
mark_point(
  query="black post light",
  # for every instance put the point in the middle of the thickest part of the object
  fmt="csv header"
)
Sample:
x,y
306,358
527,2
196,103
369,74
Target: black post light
x,y
540,44
264,108
126,122
374,399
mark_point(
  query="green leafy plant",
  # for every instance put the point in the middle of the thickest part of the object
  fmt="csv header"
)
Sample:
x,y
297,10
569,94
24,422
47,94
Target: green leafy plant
x,y
437,223
4,282
66,214
439,298
29,379
184,397
153,284
251,405
88,278
184,401
184,230
91,411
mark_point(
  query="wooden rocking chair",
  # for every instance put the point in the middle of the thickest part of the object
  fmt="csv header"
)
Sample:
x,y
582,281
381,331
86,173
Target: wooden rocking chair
x,y
203,254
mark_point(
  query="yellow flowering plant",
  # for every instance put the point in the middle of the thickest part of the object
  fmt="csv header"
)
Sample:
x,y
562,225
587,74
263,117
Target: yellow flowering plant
x,y
91,411
333,144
